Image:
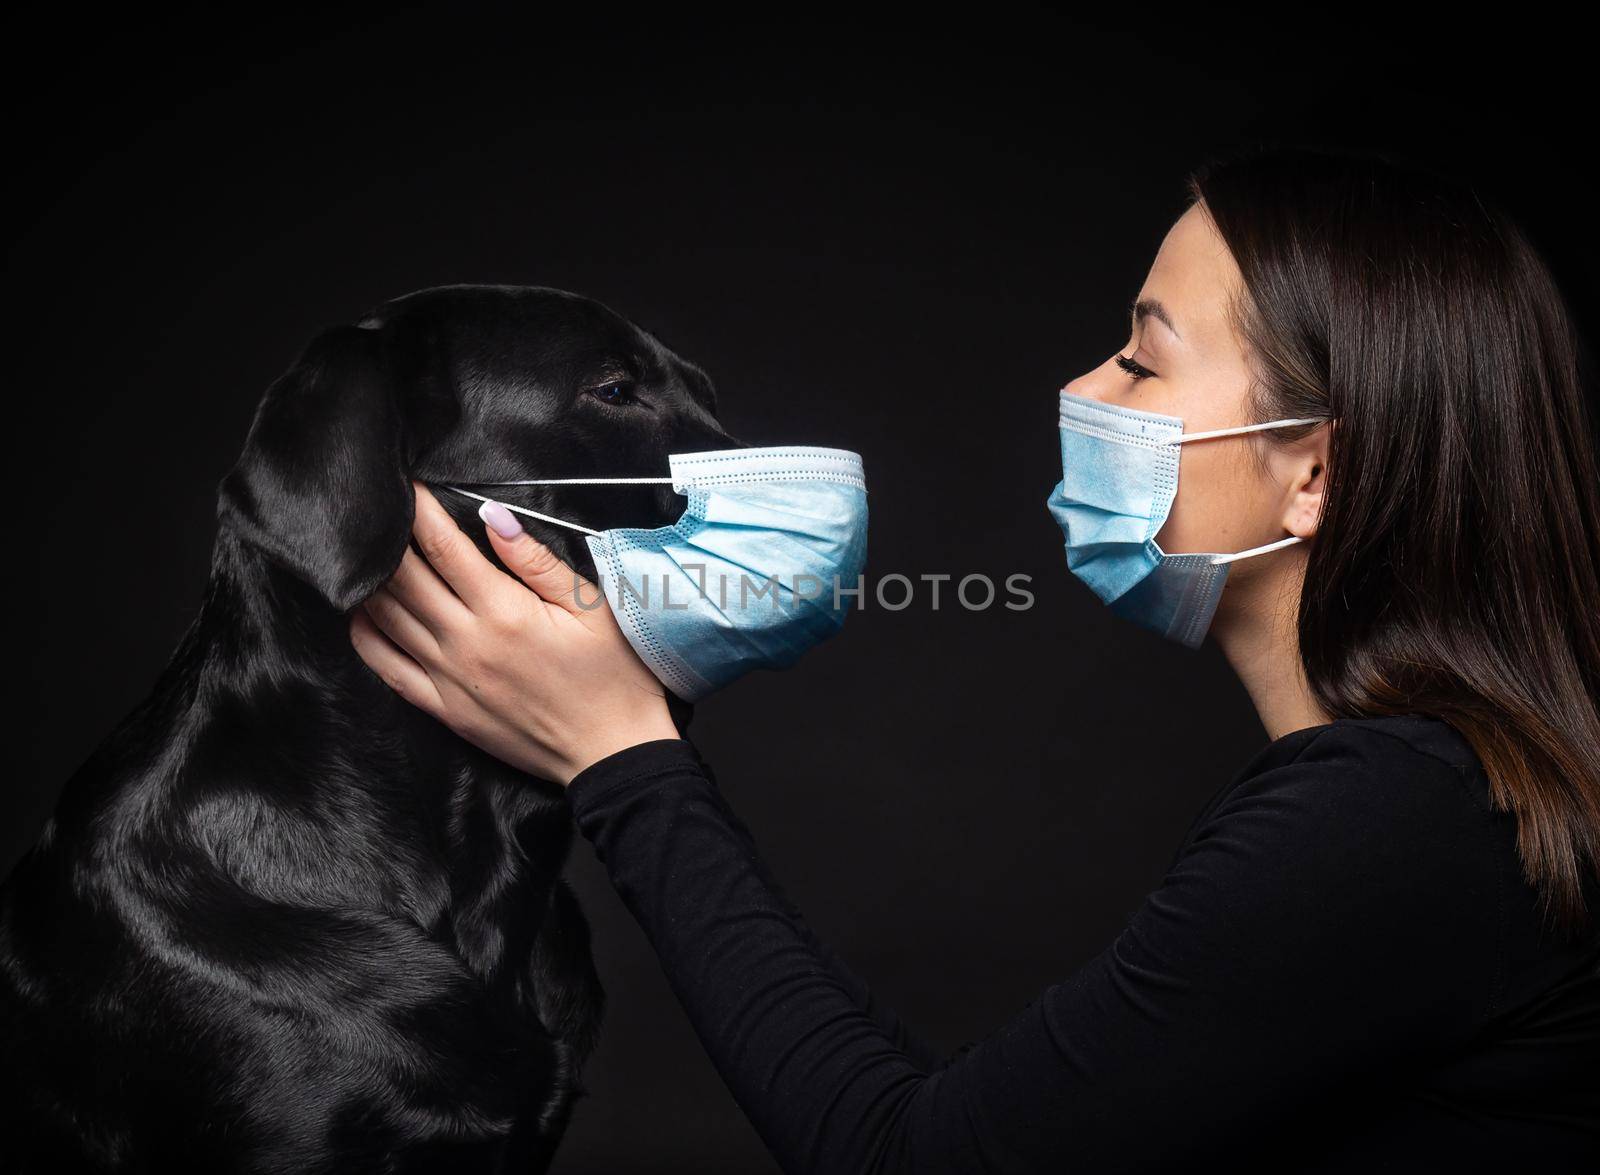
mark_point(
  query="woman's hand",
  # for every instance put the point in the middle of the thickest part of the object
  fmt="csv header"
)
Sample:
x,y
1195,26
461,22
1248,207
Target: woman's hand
x,y
533,677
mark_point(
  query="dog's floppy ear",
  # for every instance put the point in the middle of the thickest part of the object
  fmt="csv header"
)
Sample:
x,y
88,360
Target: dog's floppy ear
x,y
322,485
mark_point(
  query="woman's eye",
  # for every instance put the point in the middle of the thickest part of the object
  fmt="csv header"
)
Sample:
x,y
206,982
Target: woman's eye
x,y
616,393
1137,370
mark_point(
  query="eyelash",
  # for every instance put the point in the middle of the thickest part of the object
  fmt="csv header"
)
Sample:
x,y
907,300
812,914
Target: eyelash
x,y
1136,370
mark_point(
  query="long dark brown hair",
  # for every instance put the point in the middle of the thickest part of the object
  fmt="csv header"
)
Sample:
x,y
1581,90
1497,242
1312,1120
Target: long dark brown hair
x,y
1456,566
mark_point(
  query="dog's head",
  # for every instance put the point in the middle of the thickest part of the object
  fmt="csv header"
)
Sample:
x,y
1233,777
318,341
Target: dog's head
x,y
461,385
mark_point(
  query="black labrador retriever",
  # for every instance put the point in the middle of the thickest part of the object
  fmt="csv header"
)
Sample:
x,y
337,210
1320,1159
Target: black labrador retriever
x,y
281,921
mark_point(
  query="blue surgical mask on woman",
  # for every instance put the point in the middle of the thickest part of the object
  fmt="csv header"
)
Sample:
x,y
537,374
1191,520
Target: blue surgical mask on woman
x,y
762,566
1119,477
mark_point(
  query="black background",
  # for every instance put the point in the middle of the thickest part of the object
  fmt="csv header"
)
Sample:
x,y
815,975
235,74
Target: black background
x,y
885,234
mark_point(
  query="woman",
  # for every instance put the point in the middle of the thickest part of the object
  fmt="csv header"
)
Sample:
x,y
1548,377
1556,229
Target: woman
x,y
1378,942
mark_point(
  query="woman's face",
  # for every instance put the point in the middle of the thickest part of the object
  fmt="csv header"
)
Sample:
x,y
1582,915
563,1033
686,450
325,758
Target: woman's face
x,y
1184,358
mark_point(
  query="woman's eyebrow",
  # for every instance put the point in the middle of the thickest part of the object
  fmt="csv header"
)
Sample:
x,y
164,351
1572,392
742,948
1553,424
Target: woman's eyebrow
x,y
1150,308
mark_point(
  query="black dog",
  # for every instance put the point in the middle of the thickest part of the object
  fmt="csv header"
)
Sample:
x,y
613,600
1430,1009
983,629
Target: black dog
x,y
280,920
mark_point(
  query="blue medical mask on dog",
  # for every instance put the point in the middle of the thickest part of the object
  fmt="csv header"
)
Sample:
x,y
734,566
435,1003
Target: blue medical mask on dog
x,y
762,566
1119,477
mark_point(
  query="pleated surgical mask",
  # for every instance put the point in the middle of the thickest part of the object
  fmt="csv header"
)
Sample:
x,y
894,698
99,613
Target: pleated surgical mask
x,y
1119,477
762,565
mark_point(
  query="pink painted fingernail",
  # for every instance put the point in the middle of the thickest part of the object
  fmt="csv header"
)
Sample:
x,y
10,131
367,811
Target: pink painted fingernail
x,y
500,520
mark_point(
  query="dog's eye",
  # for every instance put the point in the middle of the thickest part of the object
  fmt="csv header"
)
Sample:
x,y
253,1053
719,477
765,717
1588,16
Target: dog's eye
x,y
613,393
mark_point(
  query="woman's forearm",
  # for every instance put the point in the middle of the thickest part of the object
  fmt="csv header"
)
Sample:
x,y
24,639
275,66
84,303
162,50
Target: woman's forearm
x,y
824,1073
922,1053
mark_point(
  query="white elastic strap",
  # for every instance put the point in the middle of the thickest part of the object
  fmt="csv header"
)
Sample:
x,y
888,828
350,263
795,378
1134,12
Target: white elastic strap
x,y
1294,538
524,510
585,481
1228,432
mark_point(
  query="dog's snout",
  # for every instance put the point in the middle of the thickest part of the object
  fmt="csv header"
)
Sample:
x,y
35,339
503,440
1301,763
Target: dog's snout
x,y
696,437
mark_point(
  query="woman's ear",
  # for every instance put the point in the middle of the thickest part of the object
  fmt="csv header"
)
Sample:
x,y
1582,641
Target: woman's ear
x,y
322,486
1311,478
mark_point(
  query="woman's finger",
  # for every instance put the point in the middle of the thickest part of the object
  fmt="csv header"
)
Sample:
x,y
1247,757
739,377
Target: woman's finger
x,y
452,554
397,623
398,671
425,594
536,564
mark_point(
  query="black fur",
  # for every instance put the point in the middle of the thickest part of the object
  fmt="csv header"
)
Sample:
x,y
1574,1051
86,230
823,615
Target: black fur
x,y
280,920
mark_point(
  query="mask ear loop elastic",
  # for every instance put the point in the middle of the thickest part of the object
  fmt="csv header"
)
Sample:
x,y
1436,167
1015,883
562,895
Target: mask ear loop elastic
x,y
584,481
526,511
560,481
1294,538
1228,432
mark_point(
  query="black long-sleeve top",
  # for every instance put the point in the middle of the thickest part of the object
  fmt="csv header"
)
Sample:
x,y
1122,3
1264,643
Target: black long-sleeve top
x,y
1343,969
